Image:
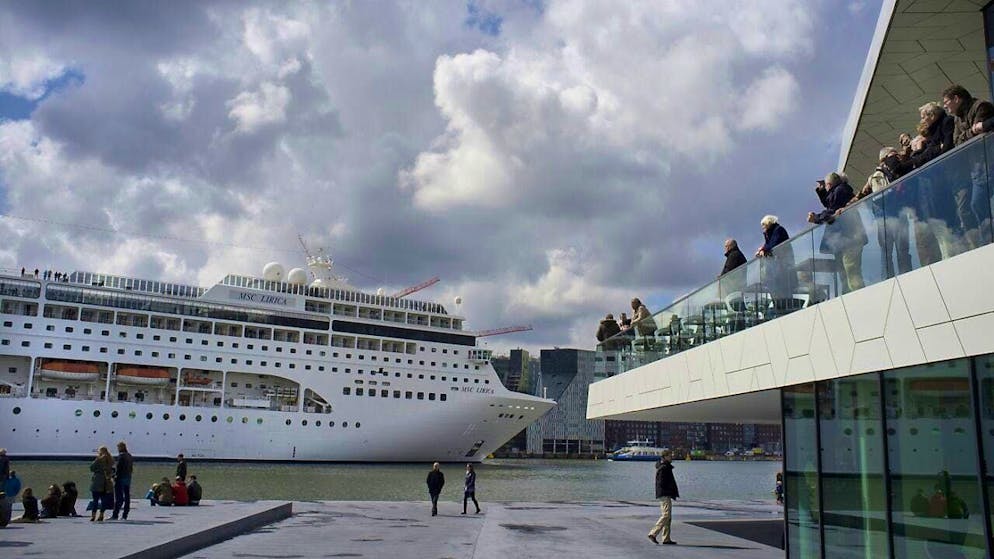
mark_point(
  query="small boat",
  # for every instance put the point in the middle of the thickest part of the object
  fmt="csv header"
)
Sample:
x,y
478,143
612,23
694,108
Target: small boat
x,y
147,376
70,370
191,380
637,451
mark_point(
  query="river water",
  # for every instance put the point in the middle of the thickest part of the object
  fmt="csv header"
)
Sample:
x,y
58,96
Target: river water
x,y
497,480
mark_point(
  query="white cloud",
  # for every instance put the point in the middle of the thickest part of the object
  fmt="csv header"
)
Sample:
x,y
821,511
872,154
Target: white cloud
x,y
768,99
252,109
26,75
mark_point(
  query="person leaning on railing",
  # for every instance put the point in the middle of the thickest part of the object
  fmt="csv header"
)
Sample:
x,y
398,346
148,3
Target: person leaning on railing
x,y
892,230
844,240
972,207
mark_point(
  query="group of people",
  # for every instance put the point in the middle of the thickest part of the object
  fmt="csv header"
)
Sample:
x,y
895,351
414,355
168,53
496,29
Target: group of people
x,y
110,489
59,501
178,492
923,212
641,322
436,481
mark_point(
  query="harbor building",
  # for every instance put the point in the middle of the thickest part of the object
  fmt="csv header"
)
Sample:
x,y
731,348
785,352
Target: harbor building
x,y
885,391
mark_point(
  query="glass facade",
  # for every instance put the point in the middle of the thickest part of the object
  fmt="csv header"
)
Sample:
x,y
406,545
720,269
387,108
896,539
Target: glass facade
x,y
892,465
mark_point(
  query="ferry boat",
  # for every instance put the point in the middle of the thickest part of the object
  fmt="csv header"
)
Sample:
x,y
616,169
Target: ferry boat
x,y
298,368
637,451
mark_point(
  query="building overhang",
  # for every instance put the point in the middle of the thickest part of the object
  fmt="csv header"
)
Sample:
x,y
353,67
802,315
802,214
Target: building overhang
x,y
919,48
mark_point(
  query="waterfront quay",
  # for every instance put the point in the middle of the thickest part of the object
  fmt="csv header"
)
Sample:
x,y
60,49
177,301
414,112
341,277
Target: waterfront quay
x,y
704,529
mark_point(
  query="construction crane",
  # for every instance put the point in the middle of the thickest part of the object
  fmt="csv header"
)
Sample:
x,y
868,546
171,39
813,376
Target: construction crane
x,y
499,331
304,245
416,288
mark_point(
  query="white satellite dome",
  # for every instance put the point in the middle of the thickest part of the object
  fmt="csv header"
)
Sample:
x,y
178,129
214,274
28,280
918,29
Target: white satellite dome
x,y
318,283
297,276
273,272
458,300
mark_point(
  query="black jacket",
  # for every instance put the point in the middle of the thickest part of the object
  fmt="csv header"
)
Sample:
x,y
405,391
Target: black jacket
x,y
125,465
181,470
435,481
30,507
733,259
194,491
938,140
665,482
607,329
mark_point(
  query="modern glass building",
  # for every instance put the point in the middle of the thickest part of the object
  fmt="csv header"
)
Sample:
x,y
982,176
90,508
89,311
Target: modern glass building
x,y
880,373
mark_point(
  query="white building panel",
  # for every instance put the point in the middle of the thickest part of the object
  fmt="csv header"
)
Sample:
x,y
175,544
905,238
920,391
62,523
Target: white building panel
x,y
867,310
940,342
922,297
958,279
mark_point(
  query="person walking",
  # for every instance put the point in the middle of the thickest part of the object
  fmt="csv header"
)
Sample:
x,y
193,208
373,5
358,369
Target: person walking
x,y
122,481
666,491
181,467
469,490
435,481
101,482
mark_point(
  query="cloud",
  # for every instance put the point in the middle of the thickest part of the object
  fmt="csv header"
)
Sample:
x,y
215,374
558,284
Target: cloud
x,y
28,76
254,109
548,160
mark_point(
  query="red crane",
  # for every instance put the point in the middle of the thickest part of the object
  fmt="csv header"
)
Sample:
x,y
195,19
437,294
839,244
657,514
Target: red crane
x,y
499,331
416,288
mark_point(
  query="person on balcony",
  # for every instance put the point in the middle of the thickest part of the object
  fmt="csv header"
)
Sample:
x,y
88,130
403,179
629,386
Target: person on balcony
x,y
933,208
845,237
607,330
778,270
972,205
642,321
733,256
892,228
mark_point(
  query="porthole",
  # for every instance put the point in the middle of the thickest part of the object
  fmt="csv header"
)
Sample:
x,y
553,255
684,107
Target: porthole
x,y
345,424
213,419
331,424
356,424
288,422
96,413
113,413
318,423
304,423
244,420
132,414
199,417
79,413
165,416
17,411
148,415
258,421
230,419
182,417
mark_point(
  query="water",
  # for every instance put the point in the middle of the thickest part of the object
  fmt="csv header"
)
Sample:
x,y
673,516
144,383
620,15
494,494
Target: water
x,y
497,480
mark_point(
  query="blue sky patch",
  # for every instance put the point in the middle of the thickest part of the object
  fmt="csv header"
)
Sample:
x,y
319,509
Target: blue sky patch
x,y
480,18
15,107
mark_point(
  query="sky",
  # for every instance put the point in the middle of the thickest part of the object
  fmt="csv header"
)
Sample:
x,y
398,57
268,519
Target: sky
x,y
548,160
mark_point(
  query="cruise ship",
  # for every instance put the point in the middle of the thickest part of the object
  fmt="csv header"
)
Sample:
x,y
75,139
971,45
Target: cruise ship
x,y
299,366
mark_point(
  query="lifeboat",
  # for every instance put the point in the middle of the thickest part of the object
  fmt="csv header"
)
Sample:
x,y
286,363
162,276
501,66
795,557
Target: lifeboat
x,y
68,370
146,376
191,380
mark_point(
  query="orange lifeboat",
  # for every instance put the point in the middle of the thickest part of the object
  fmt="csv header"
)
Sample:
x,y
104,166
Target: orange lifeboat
x,y
191,380
70,370
147,376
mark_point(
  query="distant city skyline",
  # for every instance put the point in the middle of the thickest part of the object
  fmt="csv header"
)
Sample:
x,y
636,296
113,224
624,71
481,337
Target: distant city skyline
x,y
548,160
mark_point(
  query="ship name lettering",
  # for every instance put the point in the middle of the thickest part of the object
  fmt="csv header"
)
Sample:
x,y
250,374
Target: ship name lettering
x,y
485,390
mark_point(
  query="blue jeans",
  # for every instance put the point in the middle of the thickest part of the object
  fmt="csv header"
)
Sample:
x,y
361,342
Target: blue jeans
x,y
122,495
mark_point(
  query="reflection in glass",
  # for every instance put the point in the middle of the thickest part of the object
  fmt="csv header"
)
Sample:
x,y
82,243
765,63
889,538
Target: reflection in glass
x,y
985,384
801,476
852,462
932,458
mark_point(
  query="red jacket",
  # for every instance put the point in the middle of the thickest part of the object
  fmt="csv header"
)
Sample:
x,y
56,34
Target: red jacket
x,y
180,497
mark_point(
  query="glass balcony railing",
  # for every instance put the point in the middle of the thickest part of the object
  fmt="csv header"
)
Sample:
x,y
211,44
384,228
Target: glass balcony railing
x,y
936,212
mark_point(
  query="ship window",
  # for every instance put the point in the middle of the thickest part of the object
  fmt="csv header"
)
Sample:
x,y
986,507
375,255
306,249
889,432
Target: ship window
x,y
357,424
279,349
8,324
148,415
361,356
120,352
234,385
421,395
182,417
172,339
11,370
27,325
202,342
288,422
213,419
433,350
293,350
421,377
250,346
199,417
333,355
248,361
421,362
264,348
69,328
217,359
105,332
122,334
476,381
320,367
345,424
229,419
187,357
234,345
309,352
234,361
154,338
396,393
165,416
372,392
432,377
331,424
244,419
334,369
48,345
409,375
103,350
306,367
140,336
431,395
396,375
408,395
442,397
138,352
